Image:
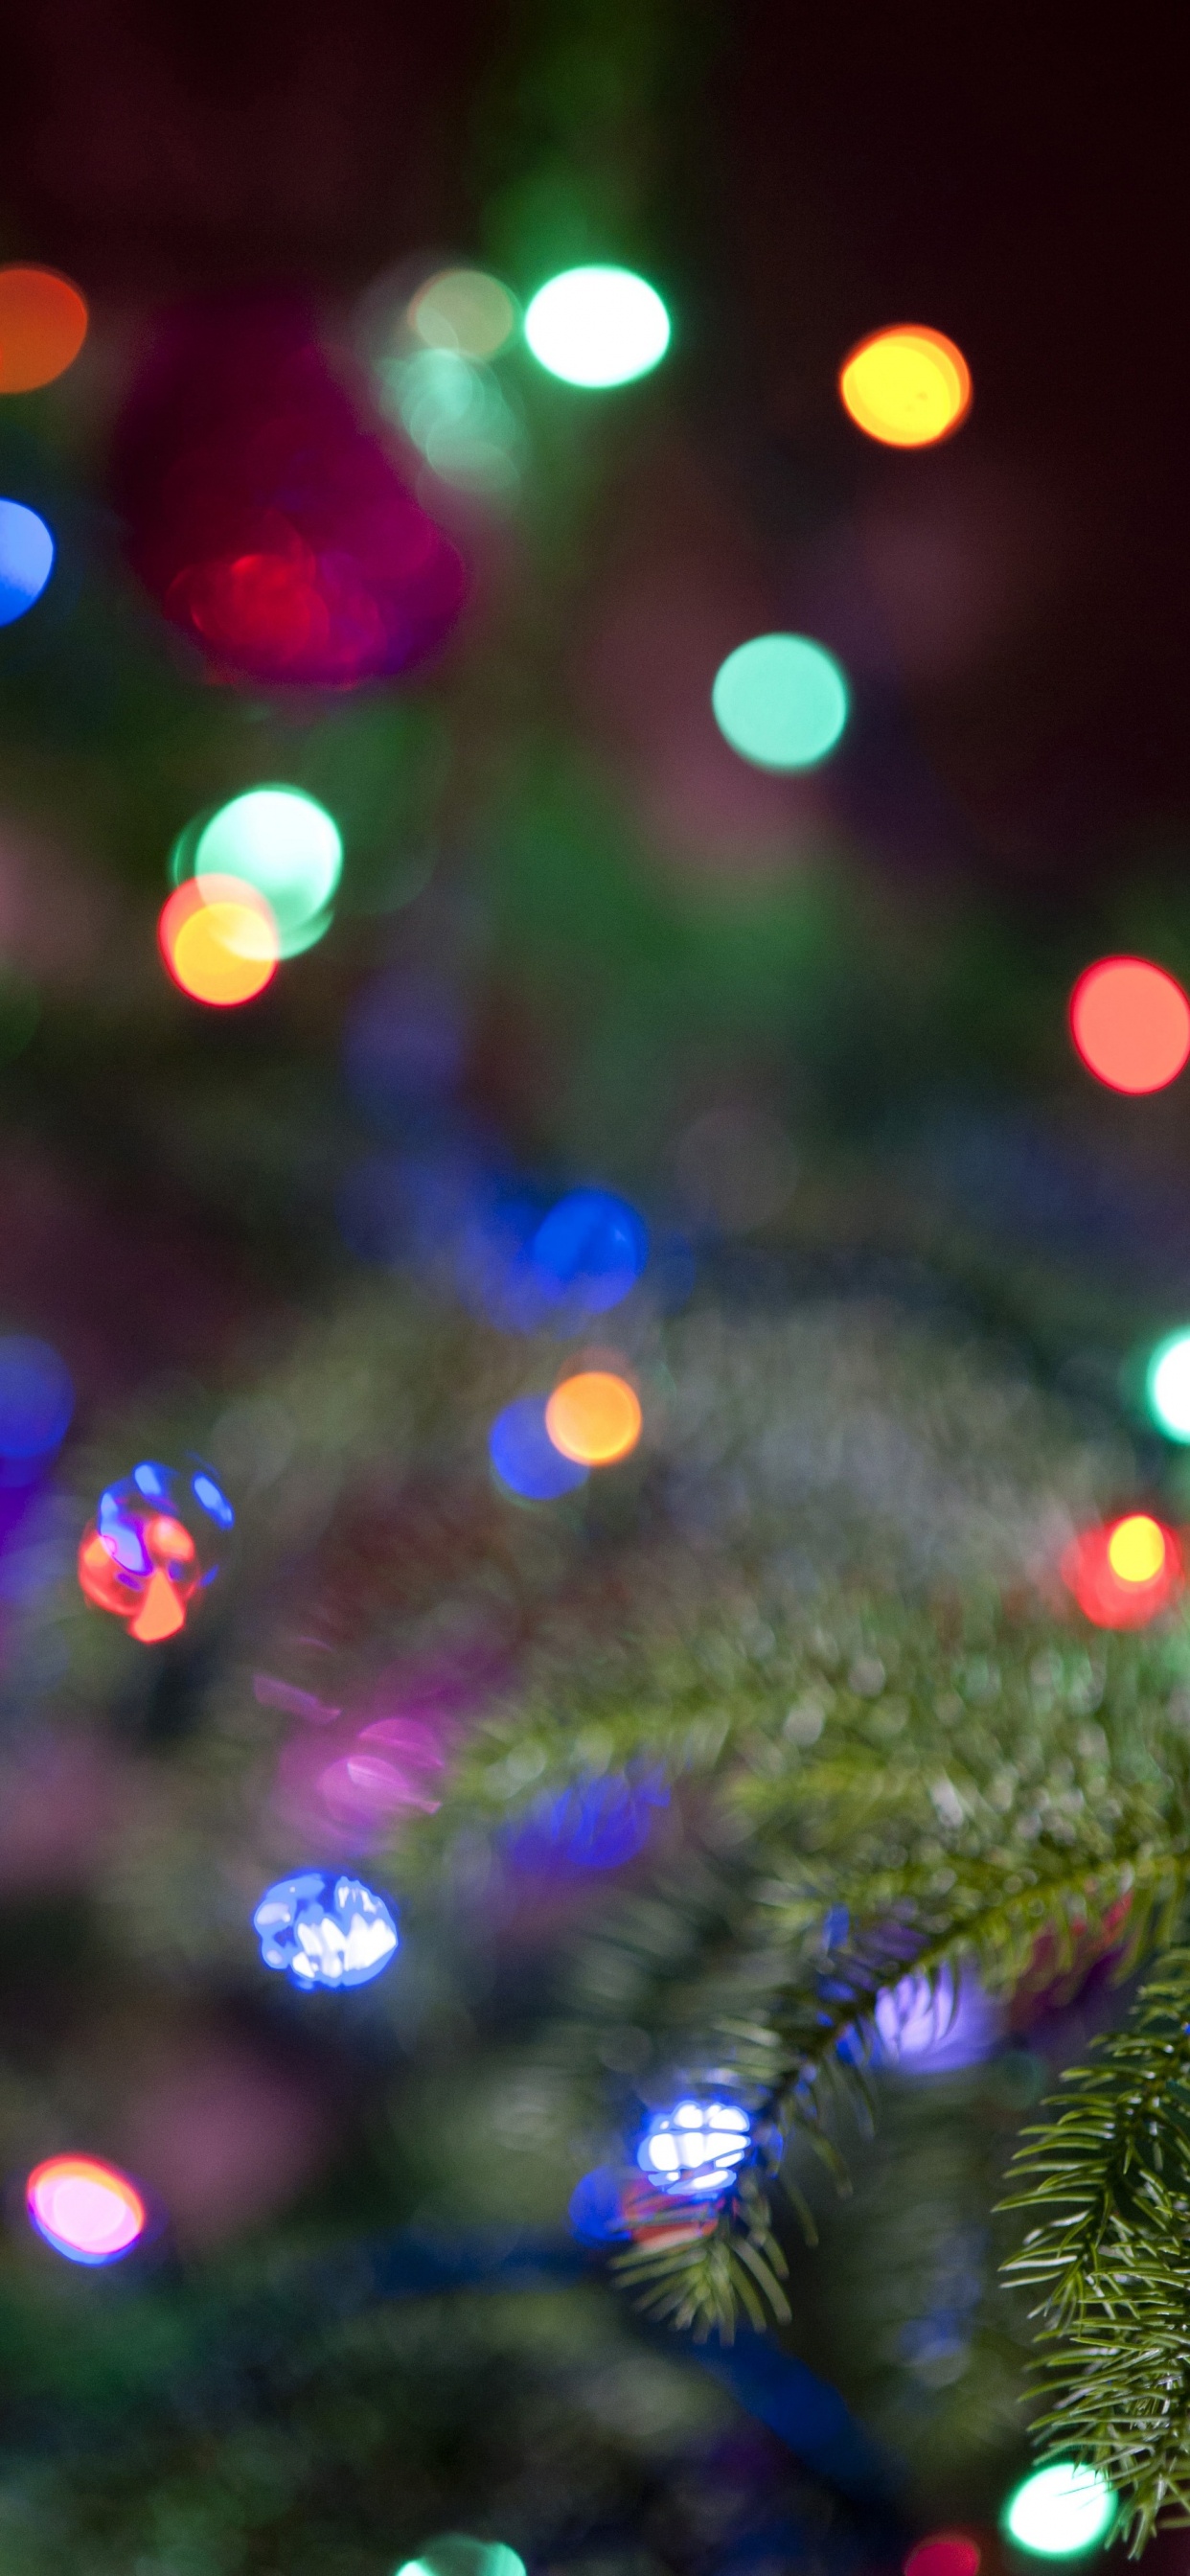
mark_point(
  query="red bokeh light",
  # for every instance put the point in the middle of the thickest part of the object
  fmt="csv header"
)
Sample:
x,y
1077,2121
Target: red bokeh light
x,y
219,940
1130,1023
945,2553
154,1604
1104,1596
660,2219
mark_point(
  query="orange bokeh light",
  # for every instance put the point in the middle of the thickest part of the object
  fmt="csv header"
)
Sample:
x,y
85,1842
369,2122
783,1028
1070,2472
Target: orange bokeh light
x,y
154,1609
1123,1575
43,324
1130,1023
907,386
594,1417
219,940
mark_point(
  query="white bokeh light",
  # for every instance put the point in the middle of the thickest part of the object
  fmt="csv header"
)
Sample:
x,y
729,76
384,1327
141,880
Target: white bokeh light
x,y
1061,2510
696,2148
1168,1385
597,326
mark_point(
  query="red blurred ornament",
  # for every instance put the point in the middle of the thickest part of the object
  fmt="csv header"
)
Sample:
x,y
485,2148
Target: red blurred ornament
x,y
266,513
1096,1569
945,2553
661,2219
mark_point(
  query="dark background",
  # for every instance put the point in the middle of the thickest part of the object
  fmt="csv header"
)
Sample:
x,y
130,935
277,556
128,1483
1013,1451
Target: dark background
x,y
1017,181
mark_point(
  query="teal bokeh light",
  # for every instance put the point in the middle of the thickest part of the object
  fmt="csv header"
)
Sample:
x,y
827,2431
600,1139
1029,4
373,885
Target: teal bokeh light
x,y
455,2553
1061,2511
279,840
1167,1385
781,701
597,326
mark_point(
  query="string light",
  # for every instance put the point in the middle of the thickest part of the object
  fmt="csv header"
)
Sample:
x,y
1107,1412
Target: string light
x,y
1130,1023
279,841
36,1402
155,1543
1136,1549
945,2553
325,1928
1167,1385
26,560
695,2149
781,701
1124,1575
465,310
219,940
1060,2511
525,1459
594,1417
43,324
590,1250
454,2553
597,326
86,2210
907,386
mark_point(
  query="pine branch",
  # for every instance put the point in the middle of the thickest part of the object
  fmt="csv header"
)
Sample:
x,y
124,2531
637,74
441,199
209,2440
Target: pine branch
x,y
702,2277
1110,2175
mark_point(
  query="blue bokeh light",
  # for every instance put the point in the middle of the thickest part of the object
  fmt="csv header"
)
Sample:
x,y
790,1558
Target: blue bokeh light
x,y
524,1457
212,1498
590,1251
121,1519
324,1928
695,2150
36,1399
595,1824
445,1206
597,2206
26,560
154,1481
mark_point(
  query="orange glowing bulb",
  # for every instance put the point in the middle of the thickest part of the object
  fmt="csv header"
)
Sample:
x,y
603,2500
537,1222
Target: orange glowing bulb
x,y
1136,1549
908,386
219,940
43,324
161,1613
594,1418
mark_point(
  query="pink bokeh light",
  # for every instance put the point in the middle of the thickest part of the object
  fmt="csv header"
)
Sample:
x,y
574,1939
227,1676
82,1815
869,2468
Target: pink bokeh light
x,y
87,2210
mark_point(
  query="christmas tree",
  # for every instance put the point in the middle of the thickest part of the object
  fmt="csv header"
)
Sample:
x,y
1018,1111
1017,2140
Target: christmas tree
x,y
593,1368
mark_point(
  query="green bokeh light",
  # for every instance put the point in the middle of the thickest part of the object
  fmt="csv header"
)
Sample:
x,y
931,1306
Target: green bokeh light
x,y
279,840
458,415
1060,2511
1167,1385
597,326
781,701
456,2554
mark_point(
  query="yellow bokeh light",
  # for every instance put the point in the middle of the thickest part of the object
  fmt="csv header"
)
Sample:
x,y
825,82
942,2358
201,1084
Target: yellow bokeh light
x,y
594,1417
465,310
908,386
1136,1549
219,940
